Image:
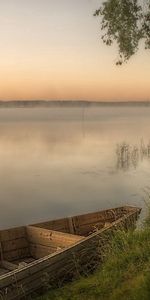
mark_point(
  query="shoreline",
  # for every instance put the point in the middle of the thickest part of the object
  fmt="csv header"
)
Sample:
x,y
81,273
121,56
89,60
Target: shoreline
x,y
70,103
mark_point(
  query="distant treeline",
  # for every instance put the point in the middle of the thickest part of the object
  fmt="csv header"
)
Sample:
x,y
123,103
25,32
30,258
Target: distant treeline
x,y
67,103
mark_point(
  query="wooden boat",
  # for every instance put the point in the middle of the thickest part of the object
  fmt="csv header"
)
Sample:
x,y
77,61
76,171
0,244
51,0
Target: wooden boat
x,y
43,254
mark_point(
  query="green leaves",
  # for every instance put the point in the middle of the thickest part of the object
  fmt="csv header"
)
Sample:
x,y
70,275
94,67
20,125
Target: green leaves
x,y
126,22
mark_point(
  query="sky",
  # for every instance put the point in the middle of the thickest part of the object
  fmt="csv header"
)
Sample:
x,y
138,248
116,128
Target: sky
x,y
51,49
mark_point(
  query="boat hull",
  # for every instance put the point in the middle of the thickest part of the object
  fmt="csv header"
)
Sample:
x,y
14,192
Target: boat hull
x,y
67,263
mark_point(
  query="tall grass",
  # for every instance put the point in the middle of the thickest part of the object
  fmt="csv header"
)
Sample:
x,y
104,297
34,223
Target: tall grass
x,y
124,275
129,155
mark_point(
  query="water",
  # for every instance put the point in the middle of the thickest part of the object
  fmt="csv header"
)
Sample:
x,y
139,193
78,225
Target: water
x,y
58,162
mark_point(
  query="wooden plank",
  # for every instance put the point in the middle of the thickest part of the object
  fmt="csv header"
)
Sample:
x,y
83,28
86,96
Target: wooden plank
x,y
85,224
12,266
58,225
28,260
14,244
55,271
62,224
94,218
101,215
8,265
52,238
51,273
12,234
16,254
89,229
38,251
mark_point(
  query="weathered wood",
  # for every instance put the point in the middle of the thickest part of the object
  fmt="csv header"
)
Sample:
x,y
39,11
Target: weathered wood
x,y
58,225
14,244
8,265
56,267
50,237
12,234
44,262
52,273
89,222
38,251
106,216
16,254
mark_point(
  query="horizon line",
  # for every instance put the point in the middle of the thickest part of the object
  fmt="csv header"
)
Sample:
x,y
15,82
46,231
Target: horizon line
x,y
71,100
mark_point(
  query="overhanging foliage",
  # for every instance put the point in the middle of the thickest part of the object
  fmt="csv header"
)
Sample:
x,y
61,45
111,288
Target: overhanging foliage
x,y
126,22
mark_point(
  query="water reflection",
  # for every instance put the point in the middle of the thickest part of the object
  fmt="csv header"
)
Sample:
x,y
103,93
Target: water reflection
x,y
129,156
58,162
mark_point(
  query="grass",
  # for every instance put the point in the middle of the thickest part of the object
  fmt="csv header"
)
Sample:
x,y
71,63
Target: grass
x,y
124,275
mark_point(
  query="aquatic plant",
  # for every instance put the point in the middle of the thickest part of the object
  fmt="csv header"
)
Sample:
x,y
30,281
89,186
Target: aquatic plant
x,y
129,155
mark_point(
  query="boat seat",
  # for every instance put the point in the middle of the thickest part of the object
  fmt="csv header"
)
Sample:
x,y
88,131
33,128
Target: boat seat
x,y
43,242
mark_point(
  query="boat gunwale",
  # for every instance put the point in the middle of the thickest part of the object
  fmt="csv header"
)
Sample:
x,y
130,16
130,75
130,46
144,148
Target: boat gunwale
x,y
81,215
55,254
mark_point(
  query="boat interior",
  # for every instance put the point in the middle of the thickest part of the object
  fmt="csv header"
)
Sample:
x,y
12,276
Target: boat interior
x,y
23,245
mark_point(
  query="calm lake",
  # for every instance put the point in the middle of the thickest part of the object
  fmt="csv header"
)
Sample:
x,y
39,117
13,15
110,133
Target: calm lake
x,y
58,162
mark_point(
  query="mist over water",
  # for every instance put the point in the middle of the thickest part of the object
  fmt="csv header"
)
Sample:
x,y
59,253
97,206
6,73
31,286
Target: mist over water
x,y
57,162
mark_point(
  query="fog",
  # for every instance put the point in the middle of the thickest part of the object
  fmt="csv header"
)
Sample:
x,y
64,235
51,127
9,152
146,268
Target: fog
x,y
58,162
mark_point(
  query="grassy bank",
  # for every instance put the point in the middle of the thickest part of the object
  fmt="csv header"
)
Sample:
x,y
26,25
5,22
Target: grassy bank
x,y
124,275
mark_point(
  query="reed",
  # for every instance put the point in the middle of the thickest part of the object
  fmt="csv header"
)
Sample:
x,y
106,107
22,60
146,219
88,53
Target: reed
x,y
129,155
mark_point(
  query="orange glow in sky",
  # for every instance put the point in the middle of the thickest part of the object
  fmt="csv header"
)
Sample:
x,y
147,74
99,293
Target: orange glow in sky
x,y
52,50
